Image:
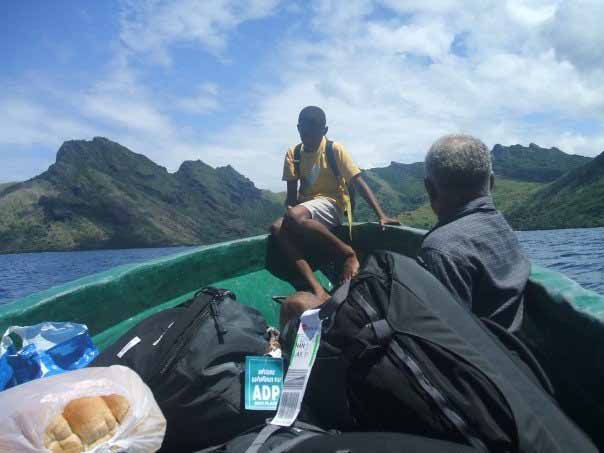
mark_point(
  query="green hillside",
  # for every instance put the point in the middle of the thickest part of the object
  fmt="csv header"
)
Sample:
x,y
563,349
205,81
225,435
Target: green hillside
x,y
100,194
533,163
520,174
507,195
573,201
400,190
6,185
398,187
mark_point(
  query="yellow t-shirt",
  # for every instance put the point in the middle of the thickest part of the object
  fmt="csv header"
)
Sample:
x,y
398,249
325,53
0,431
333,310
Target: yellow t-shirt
x,y
317,179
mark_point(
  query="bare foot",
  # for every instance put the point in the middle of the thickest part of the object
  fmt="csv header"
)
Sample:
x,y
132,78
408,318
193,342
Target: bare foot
x,y
350,268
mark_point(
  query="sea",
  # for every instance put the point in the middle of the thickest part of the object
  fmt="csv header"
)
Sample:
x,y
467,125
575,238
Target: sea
x,y
578,253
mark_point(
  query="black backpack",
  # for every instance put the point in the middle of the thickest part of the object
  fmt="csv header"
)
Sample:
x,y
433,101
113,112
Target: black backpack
x,y
305,438
269,438
415,360
193,359
377,442
333,166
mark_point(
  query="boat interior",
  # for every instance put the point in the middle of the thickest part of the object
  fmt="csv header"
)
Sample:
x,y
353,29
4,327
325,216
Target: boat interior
x,y
562,326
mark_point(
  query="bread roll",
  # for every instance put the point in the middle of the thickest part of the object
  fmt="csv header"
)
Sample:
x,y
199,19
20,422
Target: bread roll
x,y
118,405
85,423
60,439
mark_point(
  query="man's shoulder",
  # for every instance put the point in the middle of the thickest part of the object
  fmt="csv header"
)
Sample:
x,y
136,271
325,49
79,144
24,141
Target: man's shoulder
x,y
341,153
451,234
445,239
469,233
338,147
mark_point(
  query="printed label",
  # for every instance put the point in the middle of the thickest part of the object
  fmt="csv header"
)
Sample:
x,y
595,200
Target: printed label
x,y
302,360
263,382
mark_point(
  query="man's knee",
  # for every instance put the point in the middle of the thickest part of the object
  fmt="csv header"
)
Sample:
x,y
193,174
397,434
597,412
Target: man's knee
x,y
297,304
296,216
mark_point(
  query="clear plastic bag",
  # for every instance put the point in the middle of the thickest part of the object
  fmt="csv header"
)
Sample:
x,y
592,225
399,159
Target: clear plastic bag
x,y
27,410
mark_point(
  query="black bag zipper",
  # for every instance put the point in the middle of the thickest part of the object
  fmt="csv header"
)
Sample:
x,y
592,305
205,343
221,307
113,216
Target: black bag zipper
x,y
175,352
422,380
468,363
215,312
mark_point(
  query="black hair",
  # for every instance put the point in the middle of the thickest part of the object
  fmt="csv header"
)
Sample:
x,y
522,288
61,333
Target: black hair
x,y
312,114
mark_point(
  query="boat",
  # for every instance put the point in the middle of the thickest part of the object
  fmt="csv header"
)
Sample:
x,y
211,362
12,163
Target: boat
x,y
563,324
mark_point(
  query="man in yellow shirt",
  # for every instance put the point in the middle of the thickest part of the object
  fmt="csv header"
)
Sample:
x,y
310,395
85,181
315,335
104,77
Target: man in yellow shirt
x,y
325,172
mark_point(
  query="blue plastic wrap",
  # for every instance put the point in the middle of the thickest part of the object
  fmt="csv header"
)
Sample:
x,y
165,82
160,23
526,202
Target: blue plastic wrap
x,y
48,348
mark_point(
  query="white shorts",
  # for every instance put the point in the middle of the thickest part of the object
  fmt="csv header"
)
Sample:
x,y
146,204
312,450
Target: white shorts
x,y
324,211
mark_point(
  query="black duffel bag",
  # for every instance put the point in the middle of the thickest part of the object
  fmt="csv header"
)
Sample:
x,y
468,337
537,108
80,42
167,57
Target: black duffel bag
x,y
269,439
306,438
415,360
193,359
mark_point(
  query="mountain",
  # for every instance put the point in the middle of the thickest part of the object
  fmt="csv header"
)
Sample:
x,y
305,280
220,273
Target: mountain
x,y
99,194
521,172
573,201
398,187
400,190
534,164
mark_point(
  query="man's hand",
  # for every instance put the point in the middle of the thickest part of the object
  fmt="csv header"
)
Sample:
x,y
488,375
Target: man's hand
x,y
371,200
385,220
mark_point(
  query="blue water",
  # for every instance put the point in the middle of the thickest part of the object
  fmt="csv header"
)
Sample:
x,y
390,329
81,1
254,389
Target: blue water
x,y
27,273
578,253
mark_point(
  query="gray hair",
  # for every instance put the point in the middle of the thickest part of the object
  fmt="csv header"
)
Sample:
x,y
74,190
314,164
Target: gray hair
x,y
459,162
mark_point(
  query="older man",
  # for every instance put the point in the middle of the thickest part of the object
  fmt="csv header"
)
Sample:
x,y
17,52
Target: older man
x,y
472,250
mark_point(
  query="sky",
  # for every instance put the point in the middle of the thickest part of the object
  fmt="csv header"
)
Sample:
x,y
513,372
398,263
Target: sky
x,y
224,80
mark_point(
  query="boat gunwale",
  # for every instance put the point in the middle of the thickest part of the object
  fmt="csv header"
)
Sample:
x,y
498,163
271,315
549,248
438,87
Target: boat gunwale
x,y
368,234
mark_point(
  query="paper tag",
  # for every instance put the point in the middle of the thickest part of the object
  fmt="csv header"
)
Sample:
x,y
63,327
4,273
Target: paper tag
x,y
263,381
302,360
128,346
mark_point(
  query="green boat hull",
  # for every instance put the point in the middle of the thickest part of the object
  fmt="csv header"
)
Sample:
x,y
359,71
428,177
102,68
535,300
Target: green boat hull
x,y
564,323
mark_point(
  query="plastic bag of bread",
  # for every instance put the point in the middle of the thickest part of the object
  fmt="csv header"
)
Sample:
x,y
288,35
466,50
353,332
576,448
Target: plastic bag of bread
x,y
97,410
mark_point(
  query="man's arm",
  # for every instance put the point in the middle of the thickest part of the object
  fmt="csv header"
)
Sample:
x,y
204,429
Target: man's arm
x,y
366,192
292,193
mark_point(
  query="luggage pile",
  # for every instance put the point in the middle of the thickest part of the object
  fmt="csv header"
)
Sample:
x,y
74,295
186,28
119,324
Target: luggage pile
x,y
401,366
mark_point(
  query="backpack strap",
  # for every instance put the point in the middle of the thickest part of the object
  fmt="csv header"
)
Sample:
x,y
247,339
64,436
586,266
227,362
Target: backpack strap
x,y
331,159
345,190
269,430
297,151
329,308
511,342
329,153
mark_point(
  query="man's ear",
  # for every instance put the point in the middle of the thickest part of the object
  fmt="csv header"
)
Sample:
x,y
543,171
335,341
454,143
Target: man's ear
x,y
432,195
325,131
430,188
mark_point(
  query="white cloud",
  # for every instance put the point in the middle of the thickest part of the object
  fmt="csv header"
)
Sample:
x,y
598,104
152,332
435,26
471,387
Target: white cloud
x,y
384,70
429,7
143,118
150,27
432,39
577,33
531,12
204,101
385,105
28,123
